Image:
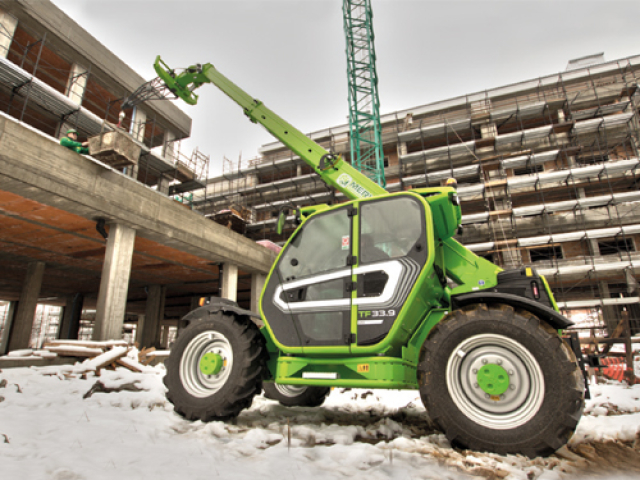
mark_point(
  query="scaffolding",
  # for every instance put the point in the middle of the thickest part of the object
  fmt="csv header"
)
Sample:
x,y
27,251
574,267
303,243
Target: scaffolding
x,y
546,170
46,325
41,88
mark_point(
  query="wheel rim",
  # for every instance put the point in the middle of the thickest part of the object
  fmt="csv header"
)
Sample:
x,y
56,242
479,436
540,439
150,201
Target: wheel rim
x,y
194,380
520,394
290,390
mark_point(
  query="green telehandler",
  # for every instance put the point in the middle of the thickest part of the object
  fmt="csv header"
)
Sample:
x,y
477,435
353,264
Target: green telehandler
x,y
376,293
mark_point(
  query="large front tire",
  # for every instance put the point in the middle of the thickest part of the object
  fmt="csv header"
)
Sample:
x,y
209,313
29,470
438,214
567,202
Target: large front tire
x,y
501,380
215,368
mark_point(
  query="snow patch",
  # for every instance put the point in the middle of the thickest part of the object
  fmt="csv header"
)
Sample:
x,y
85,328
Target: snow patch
x,y
53,433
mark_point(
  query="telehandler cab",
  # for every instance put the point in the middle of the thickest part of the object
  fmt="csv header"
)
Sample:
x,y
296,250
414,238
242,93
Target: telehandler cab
x,y
376,293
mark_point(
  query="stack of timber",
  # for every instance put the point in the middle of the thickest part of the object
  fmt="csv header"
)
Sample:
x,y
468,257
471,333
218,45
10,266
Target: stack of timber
x,y
109,354
235,218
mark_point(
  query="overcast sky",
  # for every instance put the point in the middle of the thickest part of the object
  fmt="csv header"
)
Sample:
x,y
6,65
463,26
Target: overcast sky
x,y
291,53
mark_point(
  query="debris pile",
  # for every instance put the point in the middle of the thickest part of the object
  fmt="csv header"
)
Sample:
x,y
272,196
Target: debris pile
x,y
108,354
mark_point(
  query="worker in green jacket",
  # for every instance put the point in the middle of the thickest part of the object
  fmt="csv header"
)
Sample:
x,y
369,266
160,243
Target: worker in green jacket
x,y
71,142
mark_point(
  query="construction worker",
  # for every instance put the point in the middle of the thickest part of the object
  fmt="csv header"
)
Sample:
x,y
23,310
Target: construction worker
x,y
451,182
71,142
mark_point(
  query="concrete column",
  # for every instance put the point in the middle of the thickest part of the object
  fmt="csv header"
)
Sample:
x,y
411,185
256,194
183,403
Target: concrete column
x,y
138,124
634,308
77,83
163,184
8,24
114,284
137,129
153,316
610,313
139,328
6,331
22,324
164,343
561,117
70,325
230,282
511,257
169,154
489,130
168,146
257,284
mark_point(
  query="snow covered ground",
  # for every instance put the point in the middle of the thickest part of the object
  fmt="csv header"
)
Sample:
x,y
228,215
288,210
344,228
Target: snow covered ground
x,y
49,431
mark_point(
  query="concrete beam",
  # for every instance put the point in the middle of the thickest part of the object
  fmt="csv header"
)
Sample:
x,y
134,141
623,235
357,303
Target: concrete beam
x,y
37,167
114,284
229,282
20,333
153,316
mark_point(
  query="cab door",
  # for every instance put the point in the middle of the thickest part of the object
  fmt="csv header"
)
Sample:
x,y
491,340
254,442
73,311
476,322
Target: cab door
x,y
392,253
307,299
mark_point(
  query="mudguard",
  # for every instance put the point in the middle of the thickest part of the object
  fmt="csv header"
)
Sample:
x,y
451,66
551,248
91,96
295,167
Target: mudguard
x,y
555,319
216,305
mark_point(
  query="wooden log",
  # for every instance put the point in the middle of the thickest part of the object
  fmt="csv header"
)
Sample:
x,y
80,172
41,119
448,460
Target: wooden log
x,y
607,341
129,363
615,334
74,351
105,359
142,356
88,343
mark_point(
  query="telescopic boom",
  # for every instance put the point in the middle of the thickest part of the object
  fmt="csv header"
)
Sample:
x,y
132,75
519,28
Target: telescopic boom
x,y
332,168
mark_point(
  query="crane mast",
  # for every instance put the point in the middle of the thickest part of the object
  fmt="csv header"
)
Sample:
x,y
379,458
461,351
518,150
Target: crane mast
x,y
365,131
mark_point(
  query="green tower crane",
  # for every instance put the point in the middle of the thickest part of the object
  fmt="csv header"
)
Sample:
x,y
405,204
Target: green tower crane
x,y
364,104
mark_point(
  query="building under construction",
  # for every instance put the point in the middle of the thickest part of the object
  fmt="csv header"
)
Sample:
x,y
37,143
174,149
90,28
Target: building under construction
x,y
102,245
546,171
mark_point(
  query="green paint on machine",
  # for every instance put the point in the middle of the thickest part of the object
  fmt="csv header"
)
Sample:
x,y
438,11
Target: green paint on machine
x,y
362,293
211,363
493,379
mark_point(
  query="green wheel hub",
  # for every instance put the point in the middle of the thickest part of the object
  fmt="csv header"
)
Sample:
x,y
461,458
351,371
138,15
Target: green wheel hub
x,y
211,363
493,379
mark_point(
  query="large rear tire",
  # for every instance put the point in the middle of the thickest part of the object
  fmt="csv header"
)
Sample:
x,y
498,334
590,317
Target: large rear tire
x,y
496,379
296,395
216,367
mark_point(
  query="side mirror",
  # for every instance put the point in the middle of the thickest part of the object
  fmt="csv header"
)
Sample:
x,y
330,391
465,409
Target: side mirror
x,y
280,225
282,218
